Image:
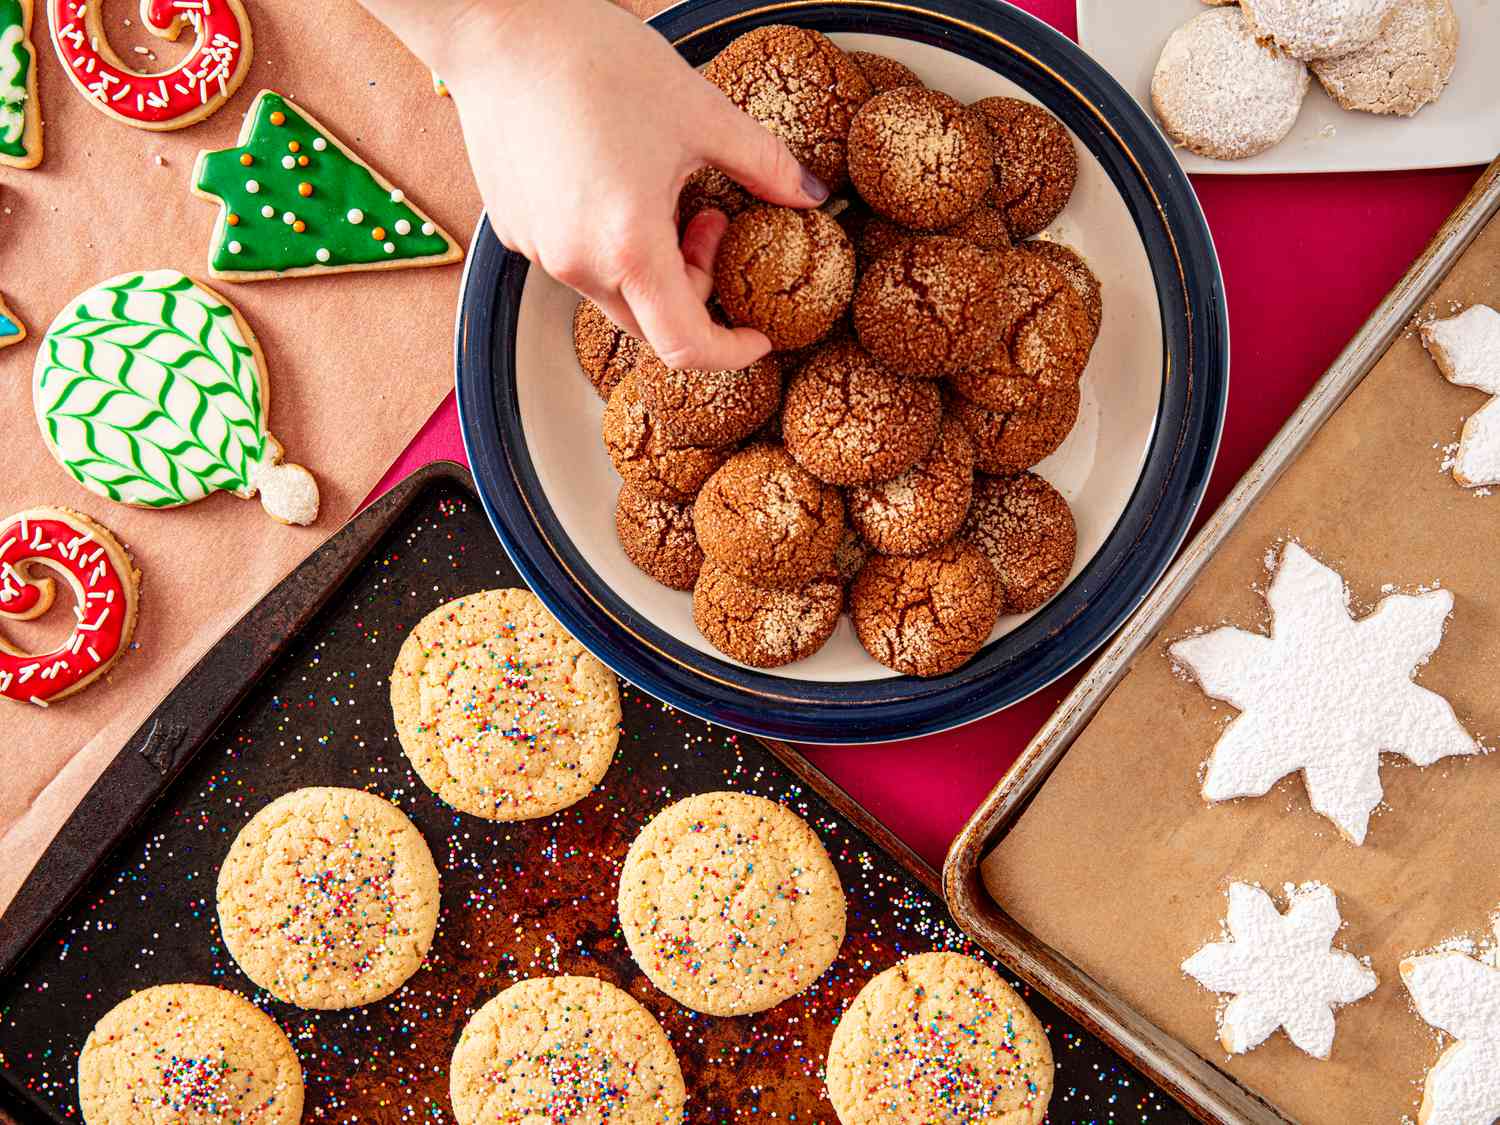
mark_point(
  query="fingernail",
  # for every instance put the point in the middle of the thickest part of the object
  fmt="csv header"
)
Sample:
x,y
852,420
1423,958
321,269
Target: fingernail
x,y
814,188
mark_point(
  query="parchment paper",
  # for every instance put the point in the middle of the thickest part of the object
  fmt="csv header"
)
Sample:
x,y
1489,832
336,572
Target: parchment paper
x,y
357,362
1121,866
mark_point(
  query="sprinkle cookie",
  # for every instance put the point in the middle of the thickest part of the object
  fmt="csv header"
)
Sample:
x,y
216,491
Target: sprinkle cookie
x,y
925,615
188,1052
1220,93
606,353
730,903
923,507
1466,349
502,713
1025,528
657,535
1406,66
558,1049
1316,29
766,628
328,898
1036,165
939,1037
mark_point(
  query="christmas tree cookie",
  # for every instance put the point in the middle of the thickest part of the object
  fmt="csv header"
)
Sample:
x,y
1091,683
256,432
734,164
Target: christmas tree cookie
x,y
296,200
12,331
20,112
151,391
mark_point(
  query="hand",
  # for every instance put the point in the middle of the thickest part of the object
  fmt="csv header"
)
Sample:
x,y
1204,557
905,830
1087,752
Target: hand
x,y
582,124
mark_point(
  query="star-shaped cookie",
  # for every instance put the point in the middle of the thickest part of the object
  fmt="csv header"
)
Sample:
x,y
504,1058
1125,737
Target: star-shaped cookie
x,y
1466,349
1457,994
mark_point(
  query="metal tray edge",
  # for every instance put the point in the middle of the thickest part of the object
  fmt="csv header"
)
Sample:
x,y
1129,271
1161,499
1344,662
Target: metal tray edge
x,y
1204,1090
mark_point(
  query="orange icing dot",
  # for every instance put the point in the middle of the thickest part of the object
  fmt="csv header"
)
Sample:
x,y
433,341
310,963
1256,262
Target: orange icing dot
x,y
294,146
246,159
299,226
232,219
378,234
278,118
304,189
302,160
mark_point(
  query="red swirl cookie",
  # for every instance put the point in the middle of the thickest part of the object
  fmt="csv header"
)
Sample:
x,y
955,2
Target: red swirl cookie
x,y
765,628
788,273
923,507
927,615
1025,528
1036,165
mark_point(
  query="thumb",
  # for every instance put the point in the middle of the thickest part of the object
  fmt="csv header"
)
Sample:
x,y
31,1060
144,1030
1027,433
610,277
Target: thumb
x,y
746,151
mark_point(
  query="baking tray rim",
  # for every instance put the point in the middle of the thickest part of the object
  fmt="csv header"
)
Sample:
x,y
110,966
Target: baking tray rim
x,y
1201,1088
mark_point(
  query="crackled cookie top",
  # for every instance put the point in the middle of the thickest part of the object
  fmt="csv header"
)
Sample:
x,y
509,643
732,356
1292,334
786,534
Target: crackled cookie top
x,y
928,614
709,408
1406,66
1025,528
1317,29
766,628
657,535
787,272
924,506
1036,165
606,353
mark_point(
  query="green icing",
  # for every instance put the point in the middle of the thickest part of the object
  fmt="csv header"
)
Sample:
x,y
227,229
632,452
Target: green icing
x,y
15,70
340,184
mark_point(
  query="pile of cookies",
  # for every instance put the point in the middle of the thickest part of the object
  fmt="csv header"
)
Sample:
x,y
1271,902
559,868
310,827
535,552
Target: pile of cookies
x,y
926,357
1230,82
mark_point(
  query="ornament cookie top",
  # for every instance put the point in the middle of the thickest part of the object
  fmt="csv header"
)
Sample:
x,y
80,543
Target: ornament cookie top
x,y
296,200
1466,349
1324,694
1460,995
20,111
151,390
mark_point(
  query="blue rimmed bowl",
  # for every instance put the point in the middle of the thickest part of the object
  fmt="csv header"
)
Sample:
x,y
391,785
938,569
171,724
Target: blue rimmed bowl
x,y
1134,469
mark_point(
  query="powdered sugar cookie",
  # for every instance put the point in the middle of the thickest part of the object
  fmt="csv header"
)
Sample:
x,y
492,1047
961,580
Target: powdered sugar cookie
x,y
1460,995
20,109
1316,29
1221,94
1281,968
1403,68
1466,349
1324,694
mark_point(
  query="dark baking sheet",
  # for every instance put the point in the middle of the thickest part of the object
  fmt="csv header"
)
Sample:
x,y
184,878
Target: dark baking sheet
x,y
518,900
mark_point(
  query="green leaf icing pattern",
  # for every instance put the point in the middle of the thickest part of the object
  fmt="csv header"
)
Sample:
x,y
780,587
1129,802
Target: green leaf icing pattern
x,y
15,72
149,393
347,217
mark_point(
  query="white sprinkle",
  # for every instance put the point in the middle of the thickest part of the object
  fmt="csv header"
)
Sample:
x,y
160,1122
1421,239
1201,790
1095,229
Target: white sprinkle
x,y
397,195
323,254
319,144
288,218
355,216
252,186
289,162
428,228
390,247
268,212
403,227
39,701
235,247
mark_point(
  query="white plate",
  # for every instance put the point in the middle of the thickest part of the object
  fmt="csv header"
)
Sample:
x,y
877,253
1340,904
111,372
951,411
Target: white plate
x,y
1461,127
1096,468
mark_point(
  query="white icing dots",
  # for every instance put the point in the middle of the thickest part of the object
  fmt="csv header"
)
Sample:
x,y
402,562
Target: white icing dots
x,y
289,162
403,227
252,186
288,218
319,144
235,247
355,216
428,228
397,195
323,254
390,247
268,212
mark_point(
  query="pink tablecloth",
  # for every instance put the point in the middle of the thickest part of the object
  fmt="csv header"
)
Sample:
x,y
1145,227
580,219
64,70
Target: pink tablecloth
x,y
1305,259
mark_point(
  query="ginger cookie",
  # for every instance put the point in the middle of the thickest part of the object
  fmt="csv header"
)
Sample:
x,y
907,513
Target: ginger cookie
x,y
709,408
644,455
328,898
1044,339
1035,164
709,189
180,1053
1323,29
919,157
1219,93
928,614
766,519
766,628
658,537
1025,528
1007,441
931,308
565,1049
850,558
606,353
730,904
923,507
983,227
847,420
939,1037
801,87
787,272
1072,266
883,72
1406,66
502,713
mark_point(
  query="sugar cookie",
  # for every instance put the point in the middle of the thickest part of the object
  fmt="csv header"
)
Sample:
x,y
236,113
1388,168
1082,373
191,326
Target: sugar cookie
x,y
328,898
1466,349
939,1037
1403,68
20,108
1316,29
188,1052
730,904
556,1049
1460,995
502,713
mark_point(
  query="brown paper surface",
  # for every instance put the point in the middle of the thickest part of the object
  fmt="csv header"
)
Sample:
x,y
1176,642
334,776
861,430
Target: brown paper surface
x,y
1122,867
357,362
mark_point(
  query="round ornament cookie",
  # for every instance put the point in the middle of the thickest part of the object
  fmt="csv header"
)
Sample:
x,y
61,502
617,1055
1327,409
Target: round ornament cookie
x,y
1316,29
1406,66
730,903
502,713
181,1053
34,545
1220,93
939,1037
565,1049
766,628
328,898
787,272
927,614
1036,165
151,390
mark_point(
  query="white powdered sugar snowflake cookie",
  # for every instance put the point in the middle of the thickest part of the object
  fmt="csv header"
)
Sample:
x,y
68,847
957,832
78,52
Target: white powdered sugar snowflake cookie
x,y
1466,349
1324,694
1282,969
1460,995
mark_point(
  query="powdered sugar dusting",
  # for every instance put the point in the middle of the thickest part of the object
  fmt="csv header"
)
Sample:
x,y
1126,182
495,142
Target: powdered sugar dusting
x,y
1466,349
1459,994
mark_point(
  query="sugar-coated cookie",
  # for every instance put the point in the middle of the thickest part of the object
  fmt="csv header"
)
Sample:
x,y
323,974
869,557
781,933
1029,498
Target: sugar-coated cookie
x,y
36,546
883,72
939,1037
328,898
764,627
177,1053
709,189
923,507
1220,93
785,271
1459,994
565,1049
1406,66
644,454
657,535
606,353
1316,29
1025,528
730,904
709,408
1036,164
927,614
1070,262
502,713
1466,349
20,108
1007,441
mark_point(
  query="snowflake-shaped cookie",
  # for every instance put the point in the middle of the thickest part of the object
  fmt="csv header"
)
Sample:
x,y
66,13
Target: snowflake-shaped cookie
x,y
1466,349
1457,994
1281,968
1324,693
